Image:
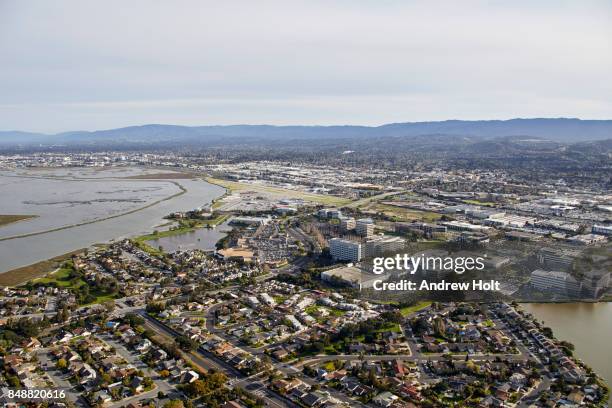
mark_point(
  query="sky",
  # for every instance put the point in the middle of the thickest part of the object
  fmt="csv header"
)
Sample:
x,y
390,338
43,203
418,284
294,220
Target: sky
x,y
86,65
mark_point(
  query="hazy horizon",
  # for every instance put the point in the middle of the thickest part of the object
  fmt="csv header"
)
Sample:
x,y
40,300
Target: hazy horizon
x,y
298,124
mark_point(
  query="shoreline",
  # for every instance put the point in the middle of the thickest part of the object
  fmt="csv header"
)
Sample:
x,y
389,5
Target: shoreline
x,y
20,218
24,273
5,277
65,227
35,270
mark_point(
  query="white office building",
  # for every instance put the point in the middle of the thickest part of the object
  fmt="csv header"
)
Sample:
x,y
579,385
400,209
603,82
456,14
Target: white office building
x,y
555,282
347,223
556,259
364,227
602,230
383,244
249,221
349,275
595,283
329,213
345,250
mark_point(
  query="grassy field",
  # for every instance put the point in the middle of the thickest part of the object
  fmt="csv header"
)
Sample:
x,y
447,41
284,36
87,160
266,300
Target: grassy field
x,y
218,202
390,327
414,308
488,323
101,298
365,201
336,312
425,245
6,219
142,244
311,310
404,214
25,273
61,278
280,192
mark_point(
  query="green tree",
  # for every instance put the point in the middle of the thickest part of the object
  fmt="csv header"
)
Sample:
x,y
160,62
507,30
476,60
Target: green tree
x,y
61,364
186,343
174,404
197,388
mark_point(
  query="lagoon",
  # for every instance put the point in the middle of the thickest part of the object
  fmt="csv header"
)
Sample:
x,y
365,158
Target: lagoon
x,y
63,198
201,238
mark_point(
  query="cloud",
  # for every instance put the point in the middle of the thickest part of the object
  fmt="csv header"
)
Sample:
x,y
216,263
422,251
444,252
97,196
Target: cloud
x,y
85,65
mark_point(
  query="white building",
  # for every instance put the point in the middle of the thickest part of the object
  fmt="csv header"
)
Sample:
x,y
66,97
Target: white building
x,y
347,274
465,226
510,220
267,299
595,283
587,239
555,282
556,259
483,214
329,213
294,322
602,230
252,301
364,227
336,214
385,399
347,223
285,209
383,244
249,220
345,250
304,303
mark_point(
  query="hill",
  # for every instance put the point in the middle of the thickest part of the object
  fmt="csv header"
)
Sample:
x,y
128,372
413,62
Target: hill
x,y
561,130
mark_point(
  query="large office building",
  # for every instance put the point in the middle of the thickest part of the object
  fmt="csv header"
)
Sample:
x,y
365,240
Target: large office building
x,y
556,259
347,223
602,230
347,274
465,226
252,221
330,213
595,283
428,229
587,239
555,282
382,244
510,220
345,250
364,227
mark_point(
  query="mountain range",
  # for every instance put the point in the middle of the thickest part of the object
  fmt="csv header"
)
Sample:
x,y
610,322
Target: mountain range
x,y
561,130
